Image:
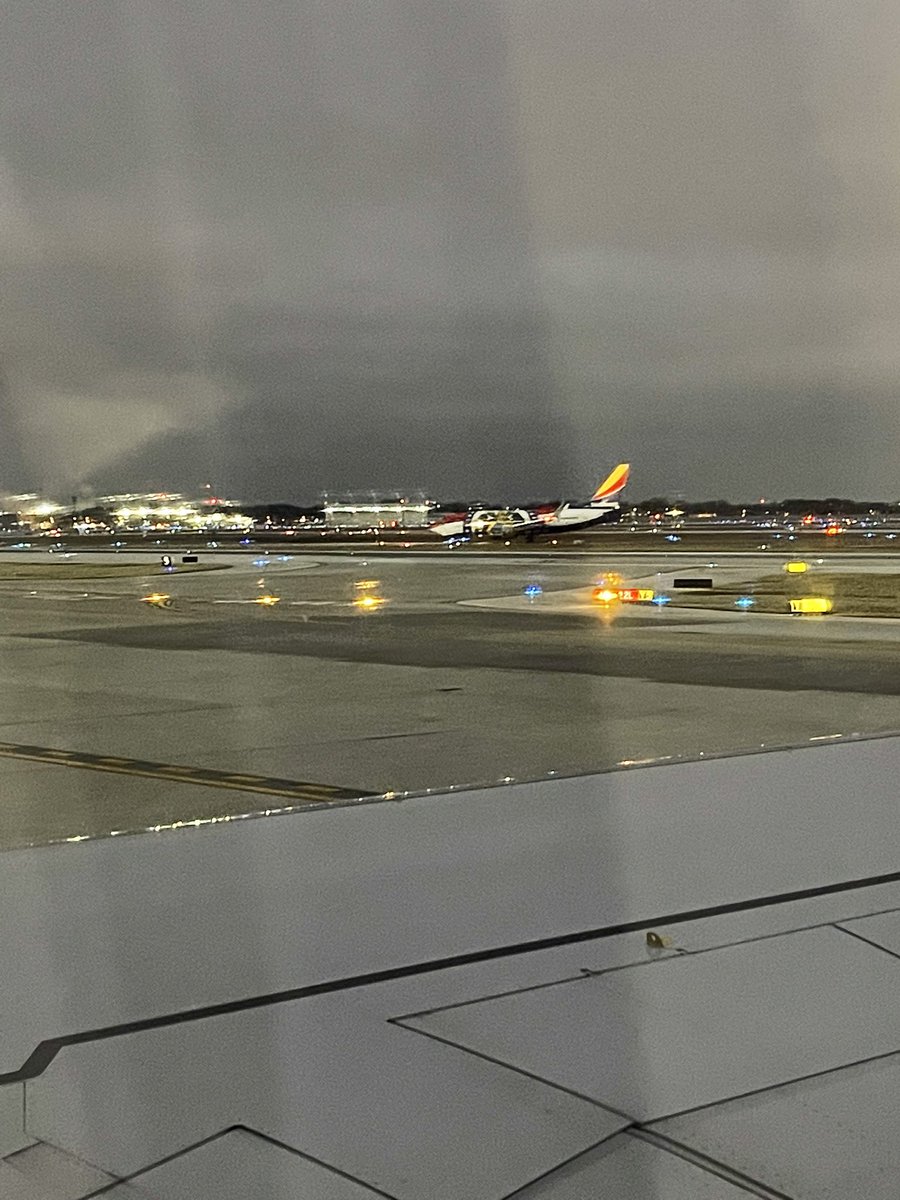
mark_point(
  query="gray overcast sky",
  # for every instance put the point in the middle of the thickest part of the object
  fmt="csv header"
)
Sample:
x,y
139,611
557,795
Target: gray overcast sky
x,y
471,246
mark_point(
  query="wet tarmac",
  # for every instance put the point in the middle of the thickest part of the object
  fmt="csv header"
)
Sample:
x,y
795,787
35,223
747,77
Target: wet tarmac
x,y
422,689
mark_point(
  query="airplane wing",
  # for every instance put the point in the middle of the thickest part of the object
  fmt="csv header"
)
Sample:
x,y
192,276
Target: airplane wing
x,y
620,1006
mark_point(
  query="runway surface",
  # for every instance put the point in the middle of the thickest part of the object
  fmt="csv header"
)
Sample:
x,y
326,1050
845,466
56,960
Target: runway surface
x,y
458,678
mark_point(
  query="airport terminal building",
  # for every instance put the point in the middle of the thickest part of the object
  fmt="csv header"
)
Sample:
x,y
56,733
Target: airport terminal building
x,y
368,511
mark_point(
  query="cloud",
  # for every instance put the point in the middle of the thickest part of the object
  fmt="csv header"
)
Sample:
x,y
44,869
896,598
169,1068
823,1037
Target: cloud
x,y
72,438
485,247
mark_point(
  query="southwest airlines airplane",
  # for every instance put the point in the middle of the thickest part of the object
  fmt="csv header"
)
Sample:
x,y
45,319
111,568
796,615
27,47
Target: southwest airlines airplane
x,y
522,522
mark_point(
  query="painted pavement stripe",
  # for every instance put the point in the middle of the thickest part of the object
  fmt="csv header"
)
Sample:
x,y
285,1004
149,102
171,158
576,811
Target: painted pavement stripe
x,y
295,789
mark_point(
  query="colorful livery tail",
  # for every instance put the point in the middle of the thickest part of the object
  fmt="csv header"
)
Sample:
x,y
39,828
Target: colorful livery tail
x,y
613,484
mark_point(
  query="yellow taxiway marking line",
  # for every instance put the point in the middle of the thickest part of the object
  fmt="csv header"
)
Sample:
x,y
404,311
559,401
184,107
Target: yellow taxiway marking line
x,y
296,790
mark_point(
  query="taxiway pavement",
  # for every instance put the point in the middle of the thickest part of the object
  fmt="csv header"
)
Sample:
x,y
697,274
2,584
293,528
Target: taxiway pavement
x,y
459,678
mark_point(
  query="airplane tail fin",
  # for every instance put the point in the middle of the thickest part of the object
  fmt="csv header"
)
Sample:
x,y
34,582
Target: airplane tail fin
x,y
613,484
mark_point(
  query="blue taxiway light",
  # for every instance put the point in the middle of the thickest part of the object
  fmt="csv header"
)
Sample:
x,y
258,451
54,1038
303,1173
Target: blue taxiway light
x,y
660,600
533,590
744,602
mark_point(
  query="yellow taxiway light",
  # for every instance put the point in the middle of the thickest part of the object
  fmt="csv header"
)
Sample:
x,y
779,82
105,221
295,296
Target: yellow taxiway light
x,y
811,604
158,599
368,603
267,601
367,597
796,568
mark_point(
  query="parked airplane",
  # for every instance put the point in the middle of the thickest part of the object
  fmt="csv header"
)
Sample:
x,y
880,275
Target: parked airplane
x,y
550,519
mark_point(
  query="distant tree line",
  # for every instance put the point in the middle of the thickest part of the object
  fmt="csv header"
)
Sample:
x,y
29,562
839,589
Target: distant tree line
x,y
794,506
282,514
